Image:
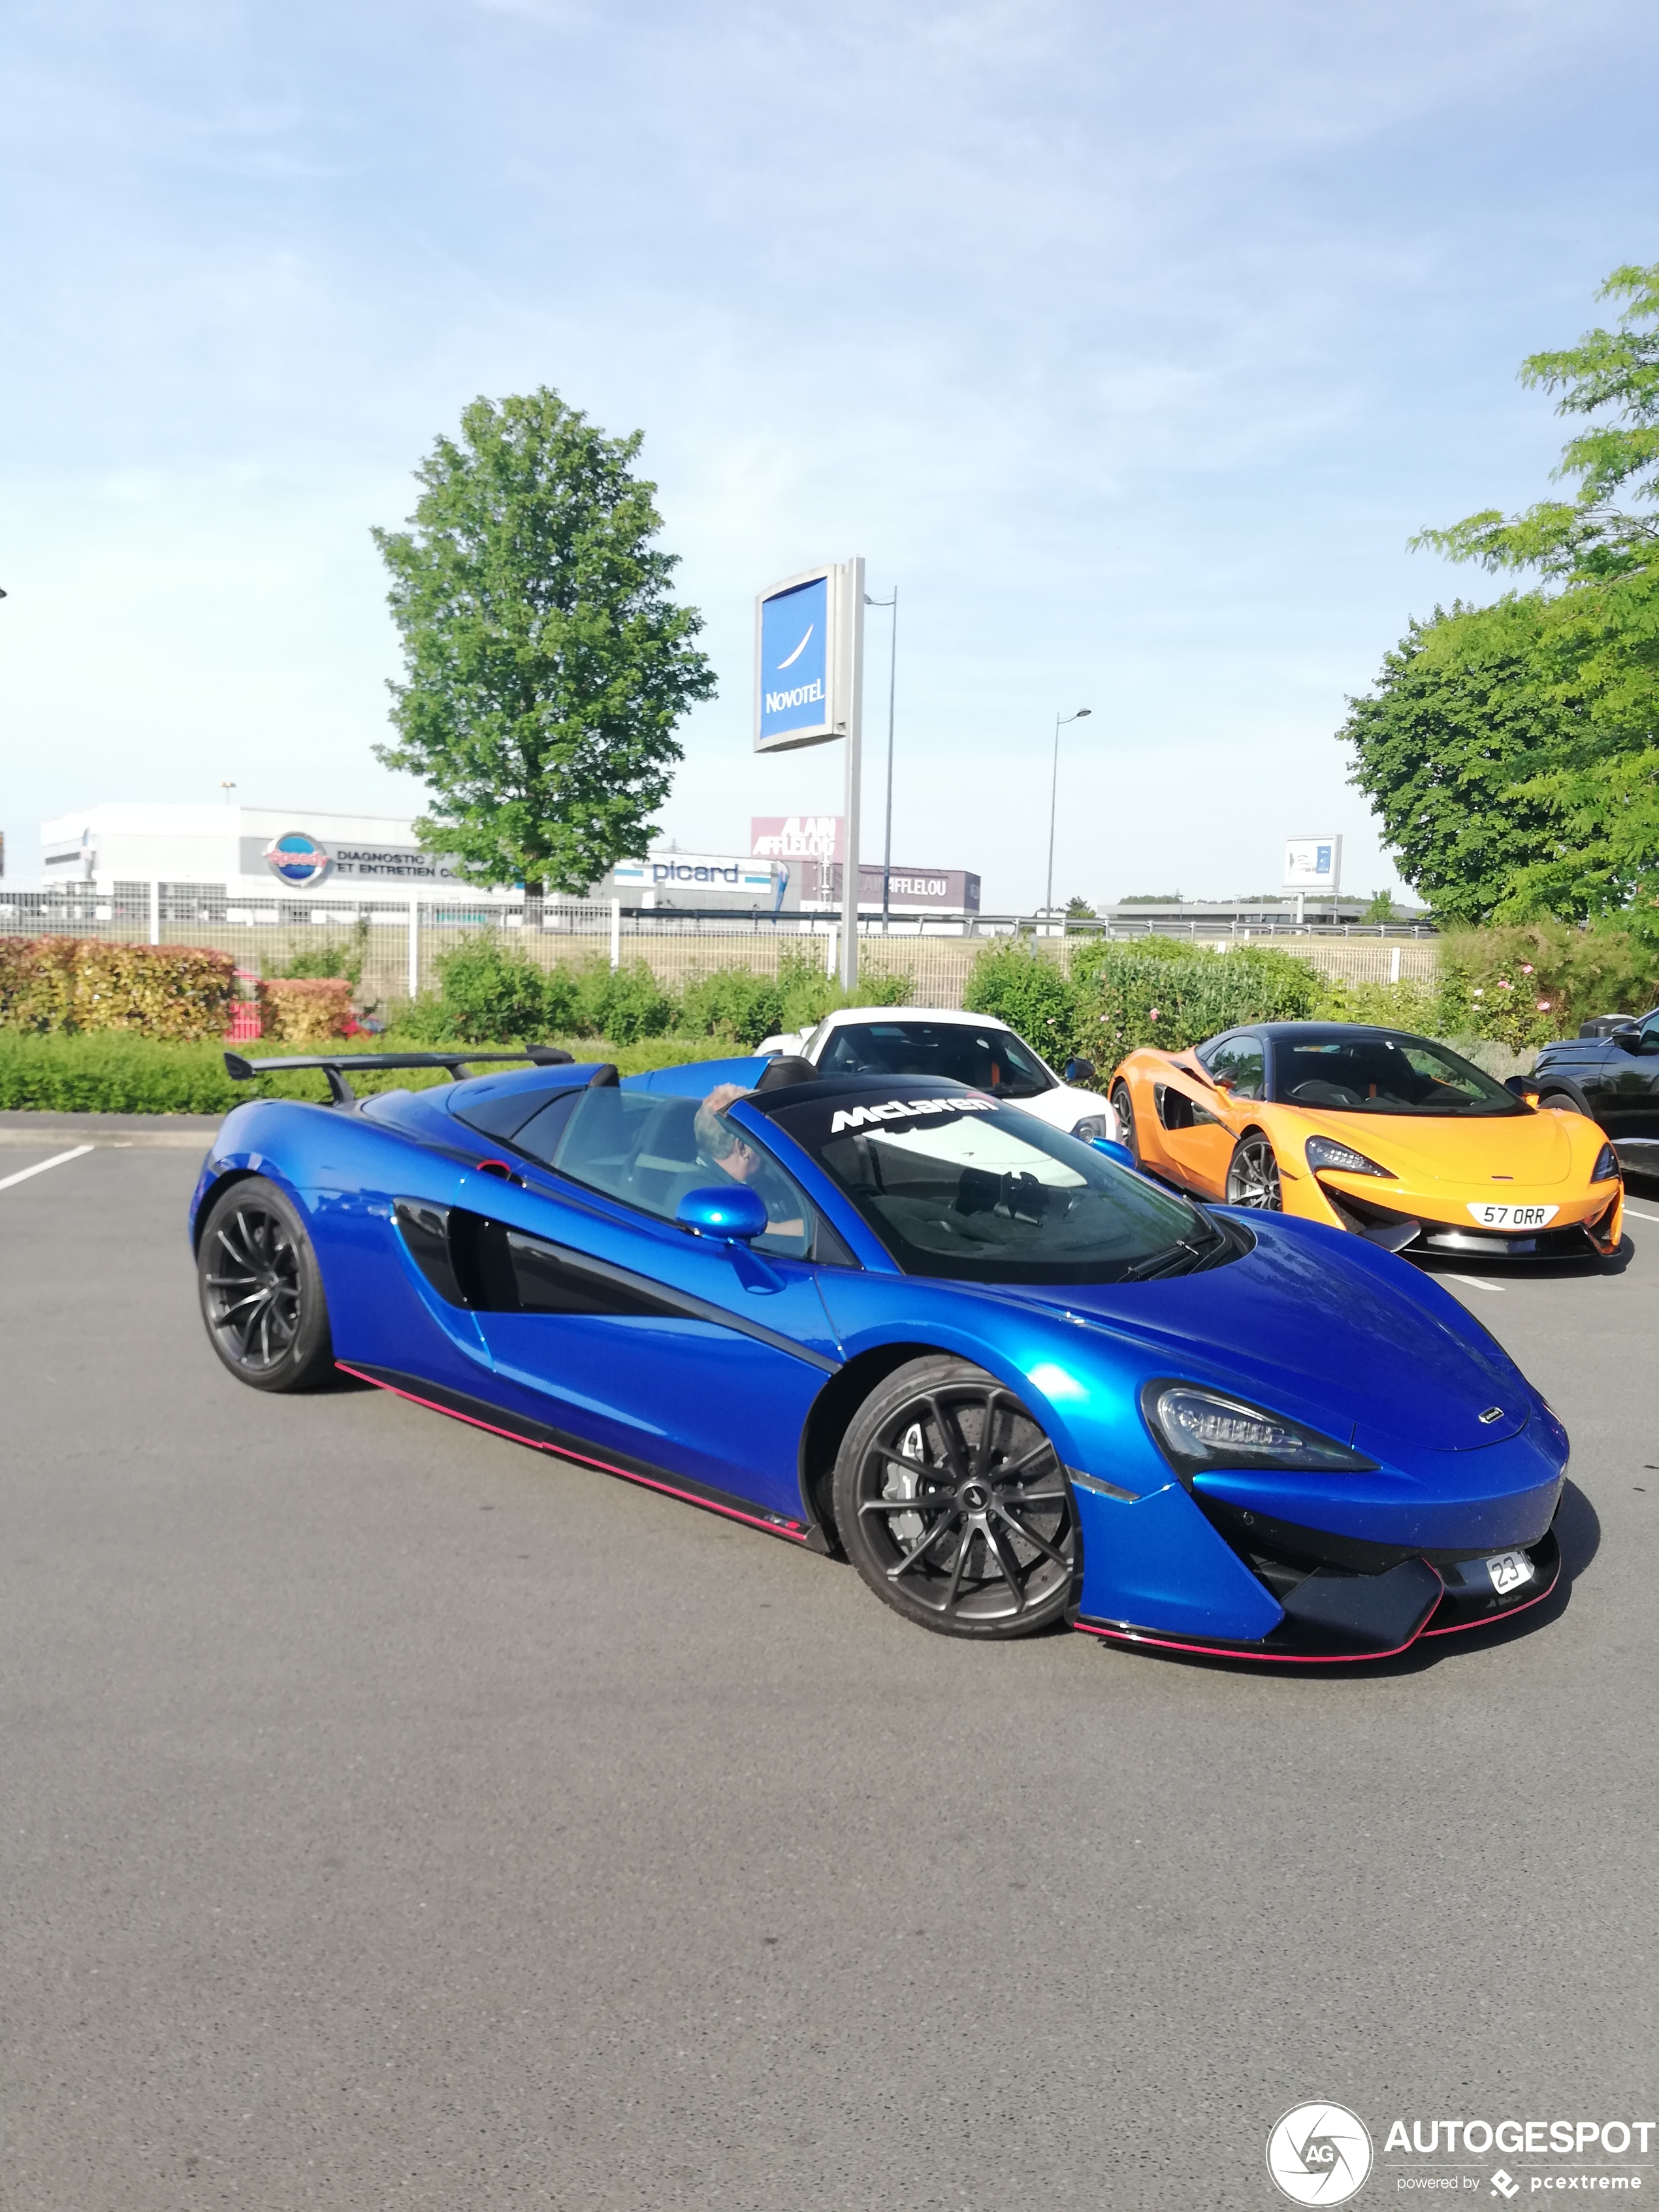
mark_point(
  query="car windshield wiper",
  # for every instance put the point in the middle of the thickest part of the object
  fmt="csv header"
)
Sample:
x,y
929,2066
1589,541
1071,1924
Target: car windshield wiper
x,y
1177,1259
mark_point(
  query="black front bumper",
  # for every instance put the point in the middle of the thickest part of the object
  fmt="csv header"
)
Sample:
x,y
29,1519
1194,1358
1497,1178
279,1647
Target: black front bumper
x,y
1342,1613
1408,1233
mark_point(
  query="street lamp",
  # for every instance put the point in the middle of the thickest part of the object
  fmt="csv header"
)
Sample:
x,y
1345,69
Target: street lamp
x,y
1060,721
892,676
227,788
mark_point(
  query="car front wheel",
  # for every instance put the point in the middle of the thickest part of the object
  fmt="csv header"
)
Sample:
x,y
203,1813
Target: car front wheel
x,y
1253,1175
1124,1107
262,1291
953,1505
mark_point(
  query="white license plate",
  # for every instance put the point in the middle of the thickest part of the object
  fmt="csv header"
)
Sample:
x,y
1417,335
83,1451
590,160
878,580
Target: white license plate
x,y
1507,1571
1512,1217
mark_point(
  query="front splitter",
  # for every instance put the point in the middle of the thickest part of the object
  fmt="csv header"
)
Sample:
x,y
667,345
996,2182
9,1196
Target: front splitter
x,y
1461,1607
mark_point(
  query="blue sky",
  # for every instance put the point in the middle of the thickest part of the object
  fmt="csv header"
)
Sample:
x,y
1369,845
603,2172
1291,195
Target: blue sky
x,y
1132,343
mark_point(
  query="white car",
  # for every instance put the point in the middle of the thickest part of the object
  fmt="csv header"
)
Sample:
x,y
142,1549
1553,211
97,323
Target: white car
x,y
972,1049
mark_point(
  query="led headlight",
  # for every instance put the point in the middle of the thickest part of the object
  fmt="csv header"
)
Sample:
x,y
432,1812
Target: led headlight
x,y
1090,1126
1326,1152
1198,1428
1607,1166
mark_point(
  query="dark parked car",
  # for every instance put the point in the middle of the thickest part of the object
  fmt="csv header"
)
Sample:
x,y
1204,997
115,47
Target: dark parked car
x,y
1609,1071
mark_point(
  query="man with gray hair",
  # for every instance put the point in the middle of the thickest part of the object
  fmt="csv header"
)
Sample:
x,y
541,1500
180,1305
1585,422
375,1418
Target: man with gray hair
x,y
722,1146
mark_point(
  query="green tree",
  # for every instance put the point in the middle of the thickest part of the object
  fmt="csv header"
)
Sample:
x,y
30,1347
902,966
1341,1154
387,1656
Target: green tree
x,y
1590,680
1463,720
546,663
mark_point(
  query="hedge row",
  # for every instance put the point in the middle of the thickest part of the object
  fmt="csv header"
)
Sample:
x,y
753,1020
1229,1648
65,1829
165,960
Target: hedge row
x,y
1154,992
84,984
1515,988
124,1072
488,989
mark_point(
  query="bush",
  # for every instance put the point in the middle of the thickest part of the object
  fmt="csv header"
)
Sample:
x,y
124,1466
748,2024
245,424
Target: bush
x,y
733,1002
624,1004
68,983
1522,985
489,988
1025,988
309,1011
1128,995
334,959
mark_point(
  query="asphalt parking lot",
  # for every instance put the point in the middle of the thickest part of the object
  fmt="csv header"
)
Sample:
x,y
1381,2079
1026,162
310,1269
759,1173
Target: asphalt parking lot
x,y
390,1814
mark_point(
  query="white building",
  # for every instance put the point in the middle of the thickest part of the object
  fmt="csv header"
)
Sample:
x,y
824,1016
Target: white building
x,y
245,858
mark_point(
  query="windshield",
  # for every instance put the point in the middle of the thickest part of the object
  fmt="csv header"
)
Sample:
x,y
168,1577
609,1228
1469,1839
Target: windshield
x,y
987,1058
955,1183
1382,1071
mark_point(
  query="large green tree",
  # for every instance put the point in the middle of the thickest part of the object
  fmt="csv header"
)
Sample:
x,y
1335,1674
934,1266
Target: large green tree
x,y
1513,751
546,663
1458,723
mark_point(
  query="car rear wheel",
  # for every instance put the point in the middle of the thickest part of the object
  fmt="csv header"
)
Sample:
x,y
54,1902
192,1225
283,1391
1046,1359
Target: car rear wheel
x,y
952,1505
1124,1107
262,1291
1253,1175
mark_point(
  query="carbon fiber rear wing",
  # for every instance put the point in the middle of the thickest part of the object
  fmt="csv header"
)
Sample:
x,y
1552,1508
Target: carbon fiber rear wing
x,y
334,1065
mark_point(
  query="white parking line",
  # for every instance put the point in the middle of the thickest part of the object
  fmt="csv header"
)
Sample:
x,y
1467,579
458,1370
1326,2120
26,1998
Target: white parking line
x,y
1479,1283
1636,1216
40,1166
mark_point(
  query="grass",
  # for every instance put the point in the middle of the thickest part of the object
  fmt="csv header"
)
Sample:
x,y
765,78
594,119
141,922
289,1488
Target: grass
x,y
114,1071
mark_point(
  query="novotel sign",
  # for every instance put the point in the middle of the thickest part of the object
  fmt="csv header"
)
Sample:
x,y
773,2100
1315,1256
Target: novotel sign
x,y
806,634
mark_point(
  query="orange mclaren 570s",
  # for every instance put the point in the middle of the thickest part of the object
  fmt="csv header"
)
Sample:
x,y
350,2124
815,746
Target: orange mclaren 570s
x,y
1372,1130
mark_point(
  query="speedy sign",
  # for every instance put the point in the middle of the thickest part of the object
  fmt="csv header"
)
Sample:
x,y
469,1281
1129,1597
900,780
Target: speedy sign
x,y
794,676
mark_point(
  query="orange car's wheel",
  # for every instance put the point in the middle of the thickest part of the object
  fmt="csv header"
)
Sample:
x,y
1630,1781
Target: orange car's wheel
x,y
1124,1107
1253,1175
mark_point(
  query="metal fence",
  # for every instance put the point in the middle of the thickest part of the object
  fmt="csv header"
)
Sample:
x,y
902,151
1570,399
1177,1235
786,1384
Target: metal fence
x,y
398,942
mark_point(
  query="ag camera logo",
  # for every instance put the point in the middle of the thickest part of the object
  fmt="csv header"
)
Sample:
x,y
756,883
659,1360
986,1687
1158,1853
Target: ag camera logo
x,y
1319,2153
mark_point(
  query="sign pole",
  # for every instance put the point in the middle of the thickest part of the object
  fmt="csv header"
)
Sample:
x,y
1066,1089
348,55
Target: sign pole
x,y
853,603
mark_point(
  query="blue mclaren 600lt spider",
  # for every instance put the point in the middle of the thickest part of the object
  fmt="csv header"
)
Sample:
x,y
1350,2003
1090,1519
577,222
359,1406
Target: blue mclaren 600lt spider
x,y
1011,1379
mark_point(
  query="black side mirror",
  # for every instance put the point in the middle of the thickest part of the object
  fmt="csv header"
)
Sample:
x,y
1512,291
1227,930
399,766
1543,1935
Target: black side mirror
x,y
1629,1038
1079,1071
1516,1084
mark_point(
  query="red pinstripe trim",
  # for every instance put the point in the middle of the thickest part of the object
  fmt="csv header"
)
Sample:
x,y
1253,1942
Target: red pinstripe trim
x,y
1234,1651
1486,1620
1305,1659
794,1534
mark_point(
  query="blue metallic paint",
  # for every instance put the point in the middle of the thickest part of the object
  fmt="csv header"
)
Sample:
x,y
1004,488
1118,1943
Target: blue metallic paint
x,y
1322,1327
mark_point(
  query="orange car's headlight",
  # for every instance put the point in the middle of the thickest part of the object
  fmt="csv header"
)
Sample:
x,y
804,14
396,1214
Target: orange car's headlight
x,y
1326,1152
1606,1169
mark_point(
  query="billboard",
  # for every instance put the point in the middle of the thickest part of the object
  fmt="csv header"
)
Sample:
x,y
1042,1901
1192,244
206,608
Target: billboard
x,y
808,633
298,859
1313,864
797,836
950,891
667,873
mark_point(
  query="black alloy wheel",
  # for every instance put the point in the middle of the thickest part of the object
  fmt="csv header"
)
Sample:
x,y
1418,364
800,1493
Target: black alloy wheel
x,y
1253,1175
952,1505
1124,1107
262,1294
